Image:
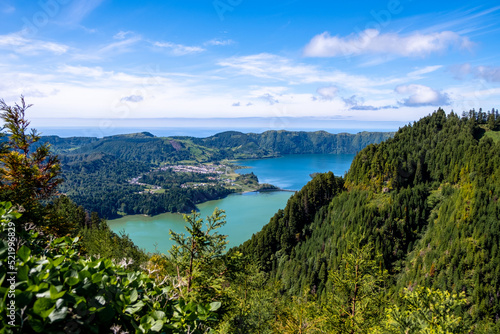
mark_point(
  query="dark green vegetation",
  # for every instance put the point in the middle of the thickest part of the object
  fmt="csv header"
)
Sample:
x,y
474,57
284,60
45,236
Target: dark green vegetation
x,y
145,147
101,183
426,203
97,171
237,145
406,243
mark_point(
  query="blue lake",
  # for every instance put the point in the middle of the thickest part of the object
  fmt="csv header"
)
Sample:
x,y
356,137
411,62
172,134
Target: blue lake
x,y
245,213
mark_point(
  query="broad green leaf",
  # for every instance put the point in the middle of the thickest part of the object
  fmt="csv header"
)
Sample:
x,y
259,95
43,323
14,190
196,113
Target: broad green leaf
x,y
134,308
157,326
36,324
60,311
158,315
133,296
215,306
72,281
23,298
57,261
84,274
147,318
71,278
24,253
96,278
44,294
56,293
43,307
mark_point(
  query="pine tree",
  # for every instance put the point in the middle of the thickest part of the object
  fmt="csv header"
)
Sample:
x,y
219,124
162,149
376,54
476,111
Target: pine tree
x,y
29,173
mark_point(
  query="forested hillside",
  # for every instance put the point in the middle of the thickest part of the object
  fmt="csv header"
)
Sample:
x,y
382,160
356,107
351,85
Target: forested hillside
x,y
273,143
98,171
145,147
426,204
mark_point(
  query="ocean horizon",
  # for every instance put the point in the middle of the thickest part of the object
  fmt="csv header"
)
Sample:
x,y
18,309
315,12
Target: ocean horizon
x,y
204,127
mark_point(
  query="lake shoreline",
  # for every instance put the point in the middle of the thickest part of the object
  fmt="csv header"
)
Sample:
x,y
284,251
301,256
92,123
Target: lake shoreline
x,y
246,212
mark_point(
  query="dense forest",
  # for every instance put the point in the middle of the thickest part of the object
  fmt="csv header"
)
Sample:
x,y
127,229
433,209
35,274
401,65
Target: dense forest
x,y
406,243
100,182
424,202
145,147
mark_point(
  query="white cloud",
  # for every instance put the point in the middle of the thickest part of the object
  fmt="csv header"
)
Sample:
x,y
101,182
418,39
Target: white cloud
x,y
17,43
327,93
94,72
277,68
422,96
488,73
79,9
371,41
425,70
179,49
123,45
219,42
491,74
270,99
132,98
123,34
265,65
353,101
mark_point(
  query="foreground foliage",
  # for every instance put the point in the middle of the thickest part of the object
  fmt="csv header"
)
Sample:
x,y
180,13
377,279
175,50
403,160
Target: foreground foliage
x,y
59,291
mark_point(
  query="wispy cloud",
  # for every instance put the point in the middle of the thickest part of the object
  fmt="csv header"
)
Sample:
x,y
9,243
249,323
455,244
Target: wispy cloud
x,y
15,42
179,49
421,95
270,99
79,9
219,42
123,34
425,70
6,8
468,21
123,42
371,41
327,93
269,66
132,98
488,73
277,68
82,71
121,46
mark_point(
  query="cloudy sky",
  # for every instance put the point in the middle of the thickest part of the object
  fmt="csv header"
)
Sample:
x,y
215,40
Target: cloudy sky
x,y
334,61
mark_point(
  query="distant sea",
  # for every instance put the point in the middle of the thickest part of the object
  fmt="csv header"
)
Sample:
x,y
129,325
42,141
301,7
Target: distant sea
x,y
203,127
199,132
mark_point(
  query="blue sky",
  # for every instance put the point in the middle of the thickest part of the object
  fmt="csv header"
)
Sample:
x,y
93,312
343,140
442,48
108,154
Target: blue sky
x,y
88,62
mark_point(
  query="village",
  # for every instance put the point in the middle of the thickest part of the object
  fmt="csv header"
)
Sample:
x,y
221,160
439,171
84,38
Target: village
x,y
223,175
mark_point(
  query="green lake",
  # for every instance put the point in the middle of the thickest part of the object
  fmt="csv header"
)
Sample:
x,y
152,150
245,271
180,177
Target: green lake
x,y
246,213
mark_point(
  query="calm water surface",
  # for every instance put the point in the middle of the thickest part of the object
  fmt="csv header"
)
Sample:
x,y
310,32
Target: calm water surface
x,y
246,213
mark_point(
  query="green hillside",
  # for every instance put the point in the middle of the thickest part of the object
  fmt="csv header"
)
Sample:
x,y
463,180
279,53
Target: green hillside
x,y
426,200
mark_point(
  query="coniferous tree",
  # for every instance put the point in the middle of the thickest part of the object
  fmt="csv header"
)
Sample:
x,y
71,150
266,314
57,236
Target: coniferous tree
x,y
29,173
